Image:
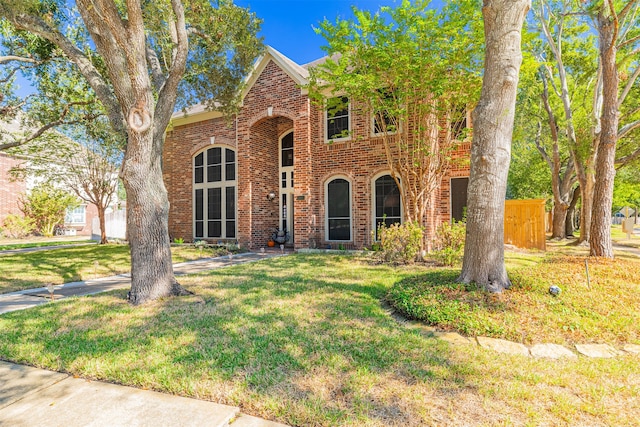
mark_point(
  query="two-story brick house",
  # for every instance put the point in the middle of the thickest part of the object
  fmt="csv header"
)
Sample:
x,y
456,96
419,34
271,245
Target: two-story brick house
x,y
281,163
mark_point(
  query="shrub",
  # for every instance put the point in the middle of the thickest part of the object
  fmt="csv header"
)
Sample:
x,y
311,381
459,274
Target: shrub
x,y
47,206
448,243
400,243
17,227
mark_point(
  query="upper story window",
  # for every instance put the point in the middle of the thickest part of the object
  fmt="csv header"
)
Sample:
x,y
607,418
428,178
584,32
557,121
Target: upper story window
x,y
458,123
338,122
214,198
383,120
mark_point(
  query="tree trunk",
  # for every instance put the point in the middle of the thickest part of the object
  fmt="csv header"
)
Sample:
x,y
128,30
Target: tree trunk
x,y
483,261
570,223
558,230
103,229
147,226
586,178
600,238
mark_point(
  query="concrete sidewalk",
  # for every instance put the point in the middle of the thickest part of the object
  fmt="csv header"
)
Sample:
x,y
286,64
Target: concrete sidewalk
x,y
31,297
37,397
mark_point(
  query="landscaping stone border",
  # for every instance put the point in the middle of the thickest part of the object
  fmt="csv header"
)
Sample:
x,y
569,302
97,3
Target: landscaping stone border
x,y
538,351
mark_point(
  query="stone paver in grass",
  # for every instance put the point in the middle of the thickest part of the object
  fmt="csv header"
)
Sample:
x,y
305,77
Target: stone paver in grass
x,y
453,338
632,348
597,350
551,351
503,346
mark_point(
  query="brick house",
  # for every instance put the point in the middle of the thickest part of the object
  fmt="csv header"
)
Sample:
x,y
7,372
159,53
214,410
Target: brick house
x,y
273,166
77,221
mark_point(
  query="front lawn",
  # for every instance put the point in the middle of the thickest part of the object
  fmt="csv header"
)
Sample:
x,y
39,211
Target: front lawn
x,y
35,269
307,340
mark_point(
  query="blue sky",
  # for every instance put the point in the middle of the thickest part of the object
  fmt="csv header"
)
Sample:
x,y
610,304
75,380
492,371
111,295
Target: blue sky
x,y
288,24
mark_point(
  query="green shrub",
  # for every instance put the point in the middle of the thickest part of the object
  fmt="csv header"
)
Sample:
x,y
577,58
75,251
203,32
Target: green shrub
x,y
400,243
448,243
47,206
17,226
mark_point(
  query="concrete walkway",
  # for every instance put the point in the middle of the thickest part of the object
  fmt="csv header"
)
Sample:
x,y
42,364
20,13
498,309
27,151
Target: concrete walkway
x,y
31,297
37,397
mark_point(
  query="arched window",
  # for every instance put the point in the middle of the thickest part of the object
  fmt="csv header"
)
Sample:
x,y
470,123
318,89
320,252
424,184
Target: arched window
x,y
386,200
214,198
338,203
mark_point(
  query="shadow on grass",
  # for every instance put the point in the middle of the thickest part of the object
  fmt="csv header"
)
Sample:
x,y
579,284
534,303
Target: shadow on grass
x,y
303,338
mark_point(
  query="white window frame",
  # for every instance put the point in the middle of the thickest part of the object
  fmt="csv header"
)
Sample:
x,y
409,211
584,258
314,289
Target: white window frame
x,y
326,204
326,123
222,184
73,212
374,224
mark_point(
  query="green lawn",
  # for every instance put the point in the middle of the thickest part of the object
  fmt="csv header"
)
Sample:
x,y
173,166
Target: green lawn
x,y
35,269
10,246
307,340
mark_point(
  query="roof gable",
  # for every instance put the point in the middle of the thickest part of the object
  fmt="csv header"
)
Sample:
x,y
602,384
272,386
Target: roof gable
x,y
297,73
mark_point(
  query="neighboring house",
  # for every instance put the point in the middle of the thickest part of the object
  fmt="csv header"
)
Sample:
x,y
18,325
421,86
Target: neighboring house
x,y
77,221
276,165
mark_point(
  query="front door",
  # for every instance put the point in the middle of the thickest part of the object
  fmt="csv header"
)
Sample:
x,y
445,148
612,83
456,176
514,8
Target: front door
x,y
286,184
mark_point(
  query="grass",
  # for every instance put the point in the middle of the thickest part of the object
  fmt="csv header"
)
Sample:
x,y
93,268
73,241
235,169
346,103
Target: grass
x,y
35,269
305,340
11,246
605,310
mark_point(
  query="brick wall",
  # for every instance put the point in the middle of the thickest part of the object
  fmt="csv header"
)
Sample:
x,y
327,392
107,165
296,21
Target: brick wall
x,y
273,106
9,191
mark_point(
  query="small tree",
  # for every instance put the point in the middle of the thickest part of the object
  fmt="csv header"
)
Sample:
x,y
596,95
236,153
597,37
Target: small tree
x,y
415,70
47,206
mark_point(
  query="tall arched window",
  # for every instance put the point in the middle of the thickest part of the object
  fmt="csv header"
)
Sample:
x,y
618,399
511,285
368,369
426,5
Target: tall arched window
x,y
338,203
386,202
214,193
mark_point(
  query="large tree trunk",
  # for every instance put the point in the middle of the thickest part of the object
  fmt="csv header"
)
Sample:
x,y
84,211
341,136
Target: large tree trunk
x,y
483,261
600,238
147,218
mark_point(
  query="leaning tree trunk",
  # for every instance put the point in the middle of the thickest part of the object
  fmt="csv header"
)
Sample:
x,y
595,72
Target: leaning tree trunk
x,y
570,224
483,261
600,238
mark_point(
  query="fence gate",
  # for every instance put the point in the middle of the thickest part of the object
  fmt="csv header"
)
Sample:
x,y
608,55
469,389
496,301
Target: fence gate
x,y
524,223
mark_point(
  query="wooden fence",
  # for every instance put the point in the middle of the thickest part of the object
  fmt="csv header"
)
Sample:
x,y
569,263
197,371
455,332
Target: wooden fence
x,y
524,223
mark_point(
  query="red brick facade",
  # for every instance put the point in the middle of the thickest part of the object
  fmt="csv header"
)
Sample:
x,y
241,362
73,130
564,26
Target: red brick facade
x,y
274,105
10,191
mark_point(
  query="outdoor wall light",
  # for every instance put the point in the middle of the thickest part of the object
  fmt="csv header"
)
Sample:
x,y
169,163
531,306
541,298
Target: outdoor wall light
x,y
271,196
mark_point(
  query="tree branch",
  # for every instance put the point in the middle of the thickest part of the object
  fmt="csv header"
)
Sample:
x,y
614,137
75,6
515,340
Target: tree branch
x,y
628,87
39,27
9,58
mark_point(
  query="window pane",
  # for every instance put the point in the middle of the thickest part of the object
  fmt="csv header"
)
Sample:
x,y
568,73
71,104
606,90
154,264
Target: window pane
x,y
339,229
214,203
199,229
338,190
199,175
214,173
231,229
287,157
215,229
230,210
287,141
214,156
338,118
199,205
199,160
230,167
